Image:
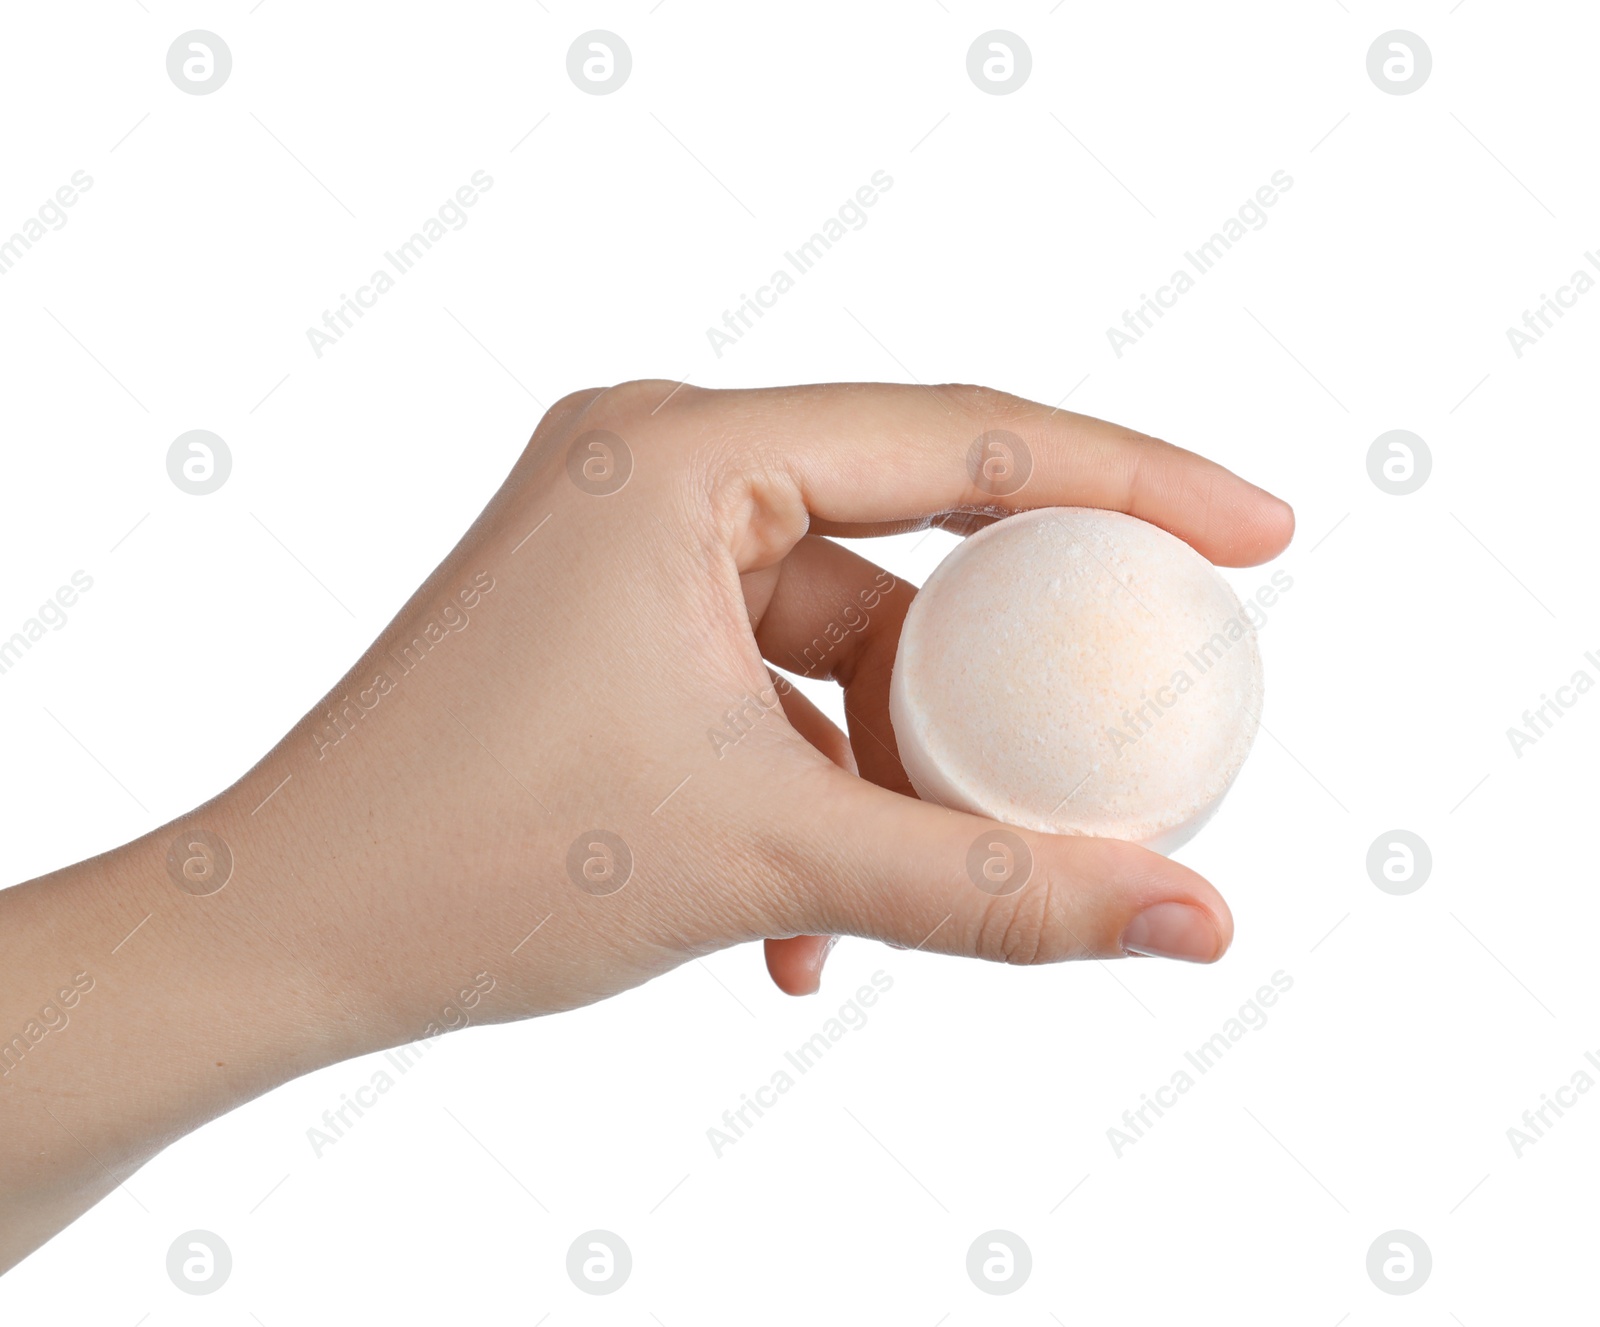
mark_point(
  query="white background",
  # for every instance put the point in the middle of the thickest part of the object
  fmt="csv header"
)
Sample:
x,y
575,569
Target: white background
x,y
1018,228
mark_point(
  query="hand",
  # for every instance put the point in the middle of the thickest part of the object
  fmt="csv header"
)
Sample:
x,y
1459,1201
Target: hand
x,y
566,767
612,680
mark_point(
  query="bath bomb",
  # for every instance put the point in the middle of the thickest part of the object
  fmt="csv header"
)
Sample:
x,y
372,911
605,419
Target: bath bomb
x,y
1077,671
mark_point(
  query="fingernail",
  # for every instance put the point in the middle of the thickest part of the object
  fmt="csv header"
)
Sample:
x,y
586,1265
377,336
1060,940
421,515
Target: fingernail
x,y
1172,930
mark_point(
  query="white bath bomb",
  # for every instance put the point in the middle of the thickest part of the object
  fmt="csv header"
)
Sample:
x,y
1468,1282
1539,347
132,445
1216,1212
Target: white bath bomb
x,y
1077,671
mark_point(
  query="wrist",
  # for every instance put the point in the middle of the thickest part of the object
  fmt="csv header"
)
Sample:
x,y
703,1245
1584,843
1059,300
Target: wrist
x,y
195,941
135,1010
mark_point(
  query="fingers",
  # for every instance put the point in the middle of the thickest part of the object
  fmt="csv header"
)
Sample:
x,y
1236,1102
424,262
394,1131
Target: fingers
x,y
795,962
1004,894
834,614
873,458
913,874
813,725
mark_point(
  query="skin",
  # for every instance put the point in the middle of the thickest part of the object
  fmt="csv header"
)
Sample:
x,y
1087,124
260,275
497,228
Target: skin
x,y
430,843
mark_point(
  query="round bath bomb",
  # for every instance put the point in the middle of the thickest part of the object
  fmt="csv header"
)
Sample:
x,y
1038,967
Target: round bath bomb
x,y
1077,671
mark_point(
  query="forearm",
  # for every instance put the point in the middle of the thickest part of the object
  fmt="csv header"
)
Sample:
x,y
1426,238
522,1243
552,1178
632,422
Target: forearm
x,y
258,938
339,899
132,1011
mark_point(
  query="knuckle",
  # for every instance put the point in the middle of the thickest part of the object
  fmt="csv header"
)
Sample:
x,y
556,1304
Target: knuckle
x,y
786,880
755,508
640,413
629,405
555,420
550,433
570,404
810,882
985,406
1015,928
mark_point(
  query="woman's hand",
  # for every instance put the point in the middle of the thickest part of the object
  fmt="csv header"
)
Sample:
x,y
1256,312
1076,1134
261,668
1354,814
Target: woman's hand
x,y
566,768
600,748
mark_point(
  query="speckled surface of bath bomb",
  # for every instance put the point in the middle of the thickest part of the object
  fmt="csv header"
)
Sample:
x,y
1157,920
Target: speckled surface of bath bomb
x,y
1077,671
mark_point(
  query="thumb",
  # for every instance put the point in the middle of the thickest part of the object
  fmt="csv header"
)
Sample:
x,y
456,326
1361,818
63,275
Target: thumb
x,y
880,864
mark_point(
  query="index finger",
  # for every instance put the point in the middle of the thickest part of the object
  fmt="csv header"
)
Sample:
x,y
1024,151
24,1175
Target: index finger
x,y
874,458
